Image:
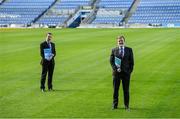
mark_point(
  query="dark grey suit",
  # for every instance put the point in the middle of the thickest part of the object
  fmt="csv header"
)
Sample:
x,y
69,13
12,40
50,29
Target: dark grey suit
x,y
127,64
47,66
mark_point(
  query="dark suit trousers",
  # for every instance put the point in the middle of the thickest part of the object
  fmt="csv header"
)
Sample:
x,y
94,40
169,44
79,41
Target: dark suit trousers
x,y
117,78
47,67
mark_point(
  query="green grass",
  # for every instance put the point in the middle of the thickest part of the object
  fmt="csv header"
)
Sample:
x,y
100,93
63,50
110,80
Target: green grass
x,y
82,77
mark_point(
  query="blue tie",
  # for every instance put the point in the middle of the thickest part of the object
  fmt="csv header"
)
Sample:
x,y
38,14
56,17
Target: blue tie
x,y
121,52
49,44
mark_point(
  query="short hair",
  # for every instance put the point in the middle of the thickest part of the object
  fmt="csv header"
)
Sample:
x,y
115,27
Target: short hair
x,y
49,33
119,37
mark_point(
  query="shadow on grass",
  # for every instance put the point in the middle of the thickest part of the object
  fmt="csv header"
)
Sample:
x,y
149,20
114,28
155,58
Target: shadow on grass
x,y
134,108
67,90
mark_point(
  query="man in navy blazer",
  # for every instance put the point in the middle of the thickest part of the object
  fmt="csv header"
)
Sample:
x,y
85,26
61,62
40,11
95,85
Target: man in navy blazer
x,y
47,52
122,72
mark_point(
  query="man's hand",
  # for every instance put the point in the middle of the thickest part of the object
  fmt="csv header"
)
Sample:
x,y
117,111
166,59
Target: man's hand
x,y
119,70
52,55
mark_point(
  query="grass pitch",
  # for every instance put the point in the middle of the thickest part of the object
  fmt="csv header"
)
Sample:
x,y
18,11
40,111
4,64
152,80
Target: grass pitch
x,y
82,77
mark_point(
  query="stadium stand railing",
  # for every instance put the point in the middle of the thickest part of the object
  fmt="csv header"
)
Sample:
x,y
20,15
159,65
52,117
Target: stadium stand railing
x,y
90,18
1,1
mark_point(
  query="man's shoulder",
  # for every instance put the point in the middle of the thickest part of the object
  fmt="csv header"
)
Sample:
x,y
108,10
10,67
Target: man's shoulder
x,y
116,48
52,43
42,43
129,48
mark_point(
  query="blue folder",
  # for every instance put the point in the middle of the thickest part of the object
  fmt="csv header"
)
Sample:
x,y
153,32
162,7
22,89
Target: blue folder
x,y
47,53
117,62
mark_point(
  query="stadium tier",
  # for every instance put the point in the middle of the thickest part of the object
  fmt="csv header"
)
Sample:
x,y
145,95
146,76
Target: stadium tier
x,y
61,11
110,11
108,17
162,12
64,13
52,20
71,4
22,11
115,4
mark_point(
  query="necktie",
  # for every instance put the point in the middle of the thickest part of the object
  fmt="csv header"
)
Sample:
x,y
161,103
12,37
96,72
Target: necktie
x,y
121,51
49,44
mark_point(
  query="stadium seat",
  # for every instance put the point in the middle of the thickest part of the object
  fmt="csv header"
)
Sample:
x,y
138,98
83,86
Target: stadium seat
x,y
157,12
22,11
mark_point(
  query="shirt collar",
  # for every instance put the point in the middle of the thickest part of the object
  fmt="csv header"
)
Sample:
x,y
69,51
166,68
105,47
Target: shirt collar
x,y
122,47
48,42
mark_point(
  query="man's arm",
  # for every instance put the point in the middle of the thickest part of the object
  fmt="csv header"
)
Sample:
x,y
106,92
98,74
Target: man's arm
x,y
54,50
131,60
112,60
41,51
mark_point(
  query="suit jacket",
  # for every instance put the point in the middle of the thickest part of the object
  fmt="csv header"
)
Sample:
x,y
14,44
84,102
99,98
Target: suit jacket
x,y
45,45
127,62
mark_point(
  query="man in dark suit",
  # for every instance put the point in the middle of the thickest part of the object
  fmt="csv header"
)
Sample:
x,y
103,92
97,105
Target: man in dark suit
x,y
48,52
121,72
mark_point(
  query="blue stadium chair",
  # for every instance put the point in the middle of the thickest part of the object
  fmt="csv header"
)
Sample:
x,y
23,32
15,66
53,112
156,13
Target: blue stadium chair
x,y
157,12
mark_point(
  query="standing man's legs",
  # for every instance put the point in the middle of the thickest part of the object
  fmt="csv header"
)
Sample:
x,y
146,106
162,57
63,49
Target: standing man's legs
x,y
43,75
126,83
116,84
50,75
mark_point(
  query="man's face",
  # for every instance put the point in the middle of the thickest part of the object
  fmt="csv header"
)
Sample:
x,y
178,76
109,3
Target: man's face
x,y
49,37
120,41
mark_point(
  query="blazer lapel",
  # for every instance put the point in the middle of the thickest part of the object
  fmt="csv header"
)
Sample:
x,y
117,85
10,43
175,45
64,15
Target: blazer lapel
x,y
117,52
46,44
125,51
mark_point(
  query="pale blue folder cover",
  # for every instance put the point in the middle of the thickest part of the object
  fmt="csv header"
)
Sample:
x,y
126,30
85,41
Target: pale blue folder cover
x,y
47,53
117,62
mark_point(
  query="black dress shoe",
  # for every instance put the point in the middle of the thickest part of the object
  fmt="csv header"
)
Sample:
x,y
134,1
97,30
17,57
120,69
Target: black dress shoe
x,y
114,107
127,108
43,90
50,89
